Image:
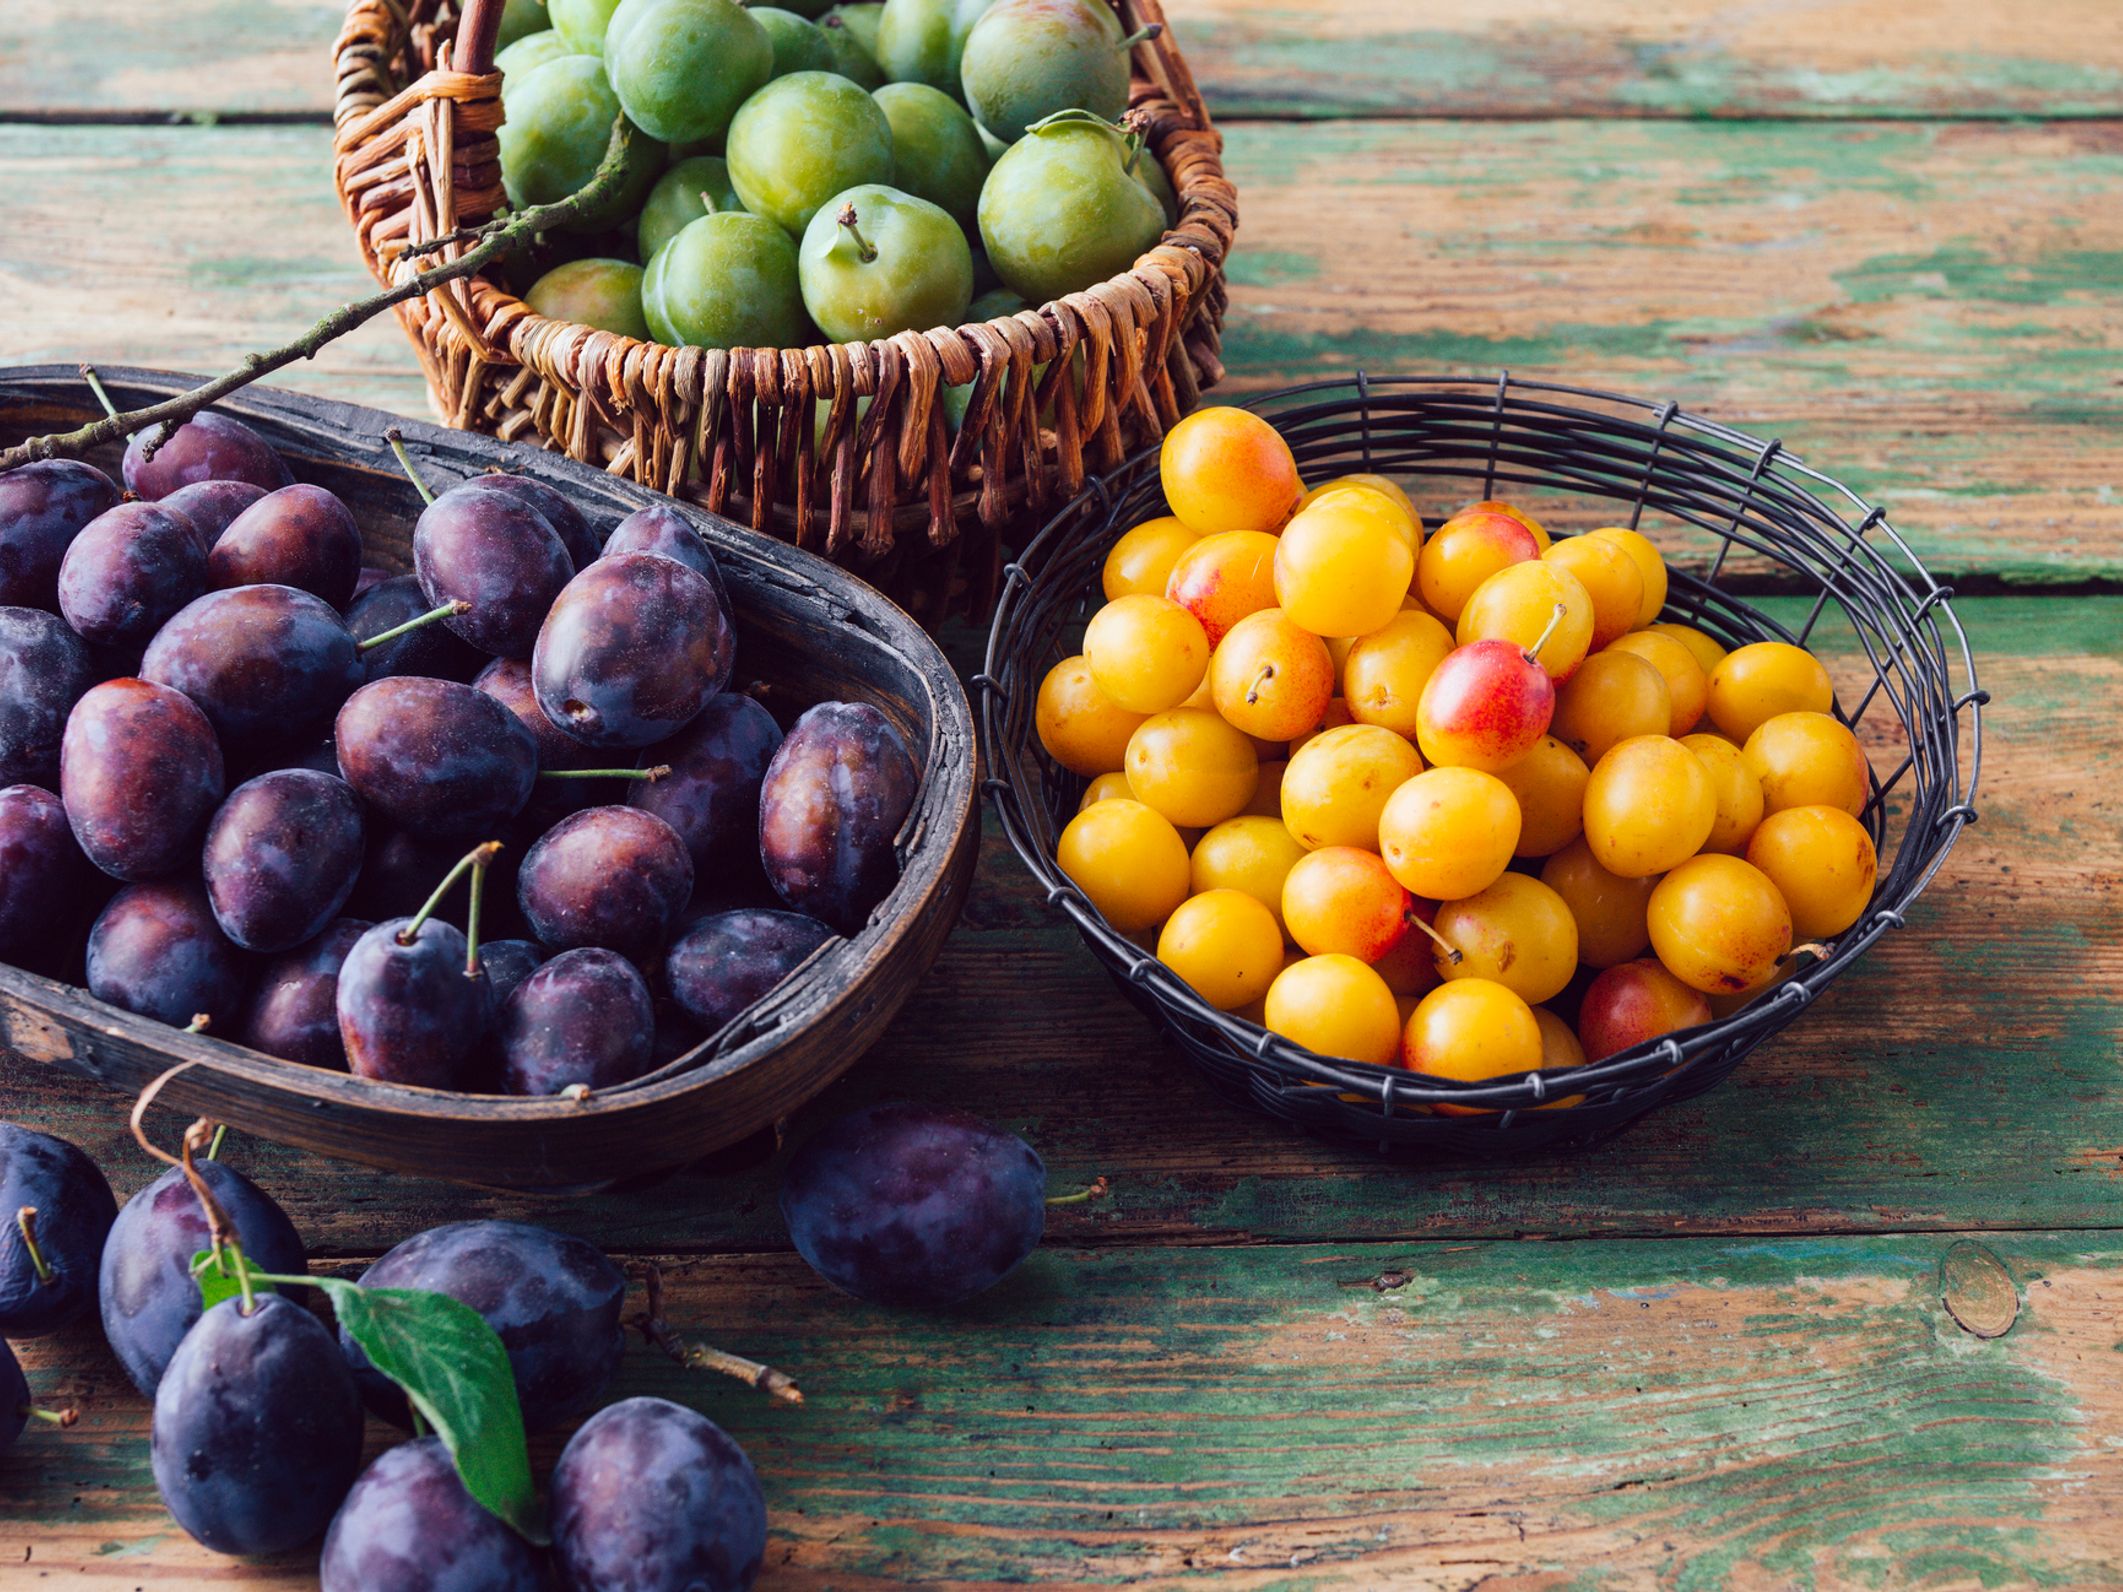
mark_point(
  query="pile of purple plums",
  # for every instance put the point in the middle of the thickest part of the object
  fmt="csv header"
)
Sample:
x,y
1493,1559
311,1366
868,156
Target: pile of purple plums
x,y
237,767
259,1422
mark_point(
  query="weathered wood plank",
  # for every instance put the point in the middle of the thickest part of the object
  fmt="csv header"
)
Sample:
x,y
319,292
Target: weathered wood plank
x,y
1695,1413
1308,58
1658,58
1964,1076
1929,311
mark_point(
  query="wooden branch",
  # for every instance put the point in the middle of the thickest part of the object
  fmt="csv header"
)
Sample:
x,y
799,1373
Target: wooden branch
x,y
496,238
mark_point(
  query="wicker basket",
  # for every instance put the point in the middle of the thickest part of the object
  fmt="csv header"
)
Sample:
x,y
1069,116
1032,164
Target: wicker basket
x,y
1772,522
893,493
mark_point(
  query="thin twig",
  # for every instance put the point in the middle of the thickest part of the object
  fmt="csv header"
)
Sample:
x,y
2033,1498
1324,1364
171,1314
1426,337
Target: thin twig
x,y
705,1357
497,237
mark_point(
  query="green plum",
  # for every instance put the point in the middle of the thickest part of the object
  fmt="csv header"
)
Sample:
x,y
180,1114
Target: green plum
x,y
877,261
728,280
682,67
605,294
527,54
559,125
688,191
862,19
801,140
936,149
527,262
519,20
920,41
1027,59
582,22
799,45
1061,211
852,32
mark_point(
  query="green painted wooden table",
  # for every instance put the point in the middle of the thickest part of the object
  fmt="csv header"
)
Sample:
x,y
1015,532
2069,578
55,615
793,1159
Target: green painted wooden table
x,y
1721,1352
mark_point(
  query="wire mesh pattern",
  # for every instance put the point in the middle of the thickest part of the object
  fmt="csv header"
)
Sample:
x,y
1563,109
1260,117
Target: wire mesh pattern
x,y
1774,521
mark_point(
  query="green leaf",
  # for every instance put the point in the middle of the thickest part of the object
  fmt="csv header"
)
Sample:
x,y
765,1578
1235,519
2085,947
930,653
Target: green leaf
x,y
217,1278
456,1373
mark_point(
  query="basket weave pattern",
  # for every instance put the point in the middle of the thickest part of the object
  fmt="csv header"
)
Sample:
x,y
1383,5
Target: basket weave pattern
x,y
891,492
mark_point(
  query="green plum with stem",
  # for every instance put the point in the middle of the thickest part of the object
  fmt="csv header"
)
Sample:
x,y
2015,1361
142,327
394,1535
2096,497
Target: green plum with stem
x,y
605,294
852,32
803,139
936,150
682,67
921,41
728,280
582,22
877,261
558,128
1063,210
800,45
863,19
685,193
1027,59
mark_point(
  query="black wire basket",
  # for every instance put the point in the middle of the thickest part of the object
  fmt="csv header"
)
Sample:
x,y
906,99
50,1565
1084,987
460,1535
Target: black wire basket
x,y
1761,521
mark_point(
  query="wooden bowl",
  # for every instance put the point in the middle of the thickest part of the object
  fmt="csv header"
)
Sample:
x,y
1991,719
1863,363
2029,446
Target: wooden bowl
x,y
812,630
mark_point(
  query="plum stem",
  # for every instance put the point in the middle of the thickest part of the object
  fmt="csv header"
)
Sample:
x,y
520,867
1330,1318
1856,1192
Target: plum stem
x,y
708,206
60,1418
200,1023
648,776
396,439
95,385
417,622
1253,690
220,1231
26,1220
1452,952
484,855
1097,1191
489,241
705,1357
1142,36
1532,654
863,245
213,1149
478,857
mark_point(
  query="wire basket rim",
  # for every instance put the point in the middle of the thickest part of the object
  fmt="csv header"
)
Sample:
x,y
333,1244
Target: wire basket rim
x,y
1752,471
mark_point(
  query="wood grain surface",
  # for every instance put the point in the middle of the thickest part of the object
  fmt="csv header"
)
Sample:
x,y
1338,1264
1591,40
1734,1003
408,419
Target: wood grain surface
x,y
1699,1412
1741,1347
1303,58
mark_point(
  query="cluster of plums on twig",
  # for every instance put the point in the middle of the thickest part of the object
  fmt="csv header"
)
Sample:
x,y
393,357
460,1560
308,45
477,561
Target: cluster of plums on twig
x,y
283,762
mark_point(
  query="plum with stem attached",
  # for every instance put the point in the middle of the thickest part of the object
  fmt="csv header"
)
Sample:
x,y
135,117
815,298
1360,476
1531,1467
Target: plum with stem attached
x,y
57,1209
413,1000
149,1297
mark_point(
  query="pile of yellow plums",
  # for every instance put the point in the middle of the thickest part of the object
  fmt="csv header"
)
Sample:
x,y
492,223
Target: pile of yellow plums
x,y
1396,796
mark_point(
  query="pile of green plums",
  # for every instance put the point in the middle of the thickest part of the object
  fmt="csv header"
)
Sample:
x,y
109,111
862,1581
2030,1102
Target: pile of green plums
x,y
849,173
